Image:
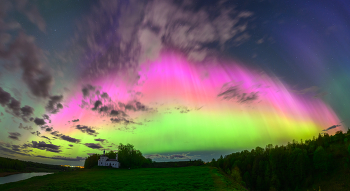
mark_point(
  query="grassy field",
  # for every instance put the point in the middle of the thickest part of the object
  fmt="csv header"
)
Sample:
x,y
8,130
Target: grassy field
x,y
100,178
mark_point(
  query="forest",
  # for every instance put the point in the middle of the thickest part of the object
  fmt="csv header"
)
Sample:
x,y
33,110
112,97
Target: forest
x,y
294,166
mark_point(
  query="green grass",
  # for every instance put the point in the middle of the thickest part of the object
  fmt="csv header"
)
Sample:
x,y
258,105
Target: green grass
x,y
184,178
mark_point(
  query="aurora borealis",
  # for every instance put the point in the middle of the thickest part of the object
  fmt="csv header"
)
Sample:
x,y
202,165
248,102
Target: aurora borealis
x,y
179,80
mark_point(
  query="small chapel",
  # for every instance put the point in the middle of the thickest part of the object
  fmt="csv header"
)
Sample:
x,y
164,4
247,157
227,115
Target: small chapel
x,y
105,161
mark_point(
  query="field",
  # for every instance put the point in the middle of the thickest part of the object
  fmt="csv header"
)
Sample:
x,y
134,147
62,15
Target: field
x,y
101,178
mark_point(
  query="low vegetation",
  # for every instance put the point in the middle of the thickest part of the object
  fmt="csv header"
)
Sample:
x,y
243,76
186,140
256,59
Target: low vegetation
x,y
104,178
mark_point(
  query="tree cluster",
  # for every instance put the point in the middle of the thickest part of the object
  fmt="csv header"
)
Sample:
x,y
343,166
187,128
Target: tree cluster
x,y
128,157
294,166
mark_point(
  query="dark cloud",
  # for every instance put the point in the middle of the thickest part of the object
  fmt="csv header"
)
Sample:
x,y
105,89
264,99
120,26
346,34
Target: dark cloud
x,y
97,104
27,111
53,106
84,104
59,106
104,109
251,97
65,137
13,150
13,106
104,95
44,146
101,140
93,145
5,97
121,105
71,145
44,127
70,139
178,156
29,128
56,133
136,106
62,158
36,132
183,109
117,113
331,127
174,156
28,57
46,117
189,27
117,120
44,137
130,107
21,51
14,136
86,129
39,121
234,92
230,93
15,147
86,90
124,121
75,120
48,129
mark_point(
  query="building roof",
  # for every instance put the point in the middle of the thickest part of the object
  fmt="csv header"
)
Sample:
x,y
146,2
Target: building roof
x,y
111,159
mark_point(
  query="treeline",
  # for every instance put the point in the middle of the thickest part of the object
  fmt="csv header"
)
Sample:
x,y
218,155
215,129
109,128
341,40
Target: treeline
x,y
128,157
292,167
154,164
15,165
7,164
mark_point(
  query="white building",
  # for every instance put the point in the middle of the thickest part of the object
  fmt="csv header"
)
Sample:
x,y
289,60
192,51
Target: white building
x,y
105,161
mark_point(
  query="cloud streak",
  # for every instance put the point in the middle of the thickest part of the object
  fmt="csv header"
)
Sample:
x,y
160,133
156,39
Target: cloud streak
x,y
331,127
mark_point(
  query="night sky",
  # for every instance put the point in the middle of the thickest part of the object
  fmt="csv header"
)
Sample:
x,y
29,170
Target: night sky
x,y
177,79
